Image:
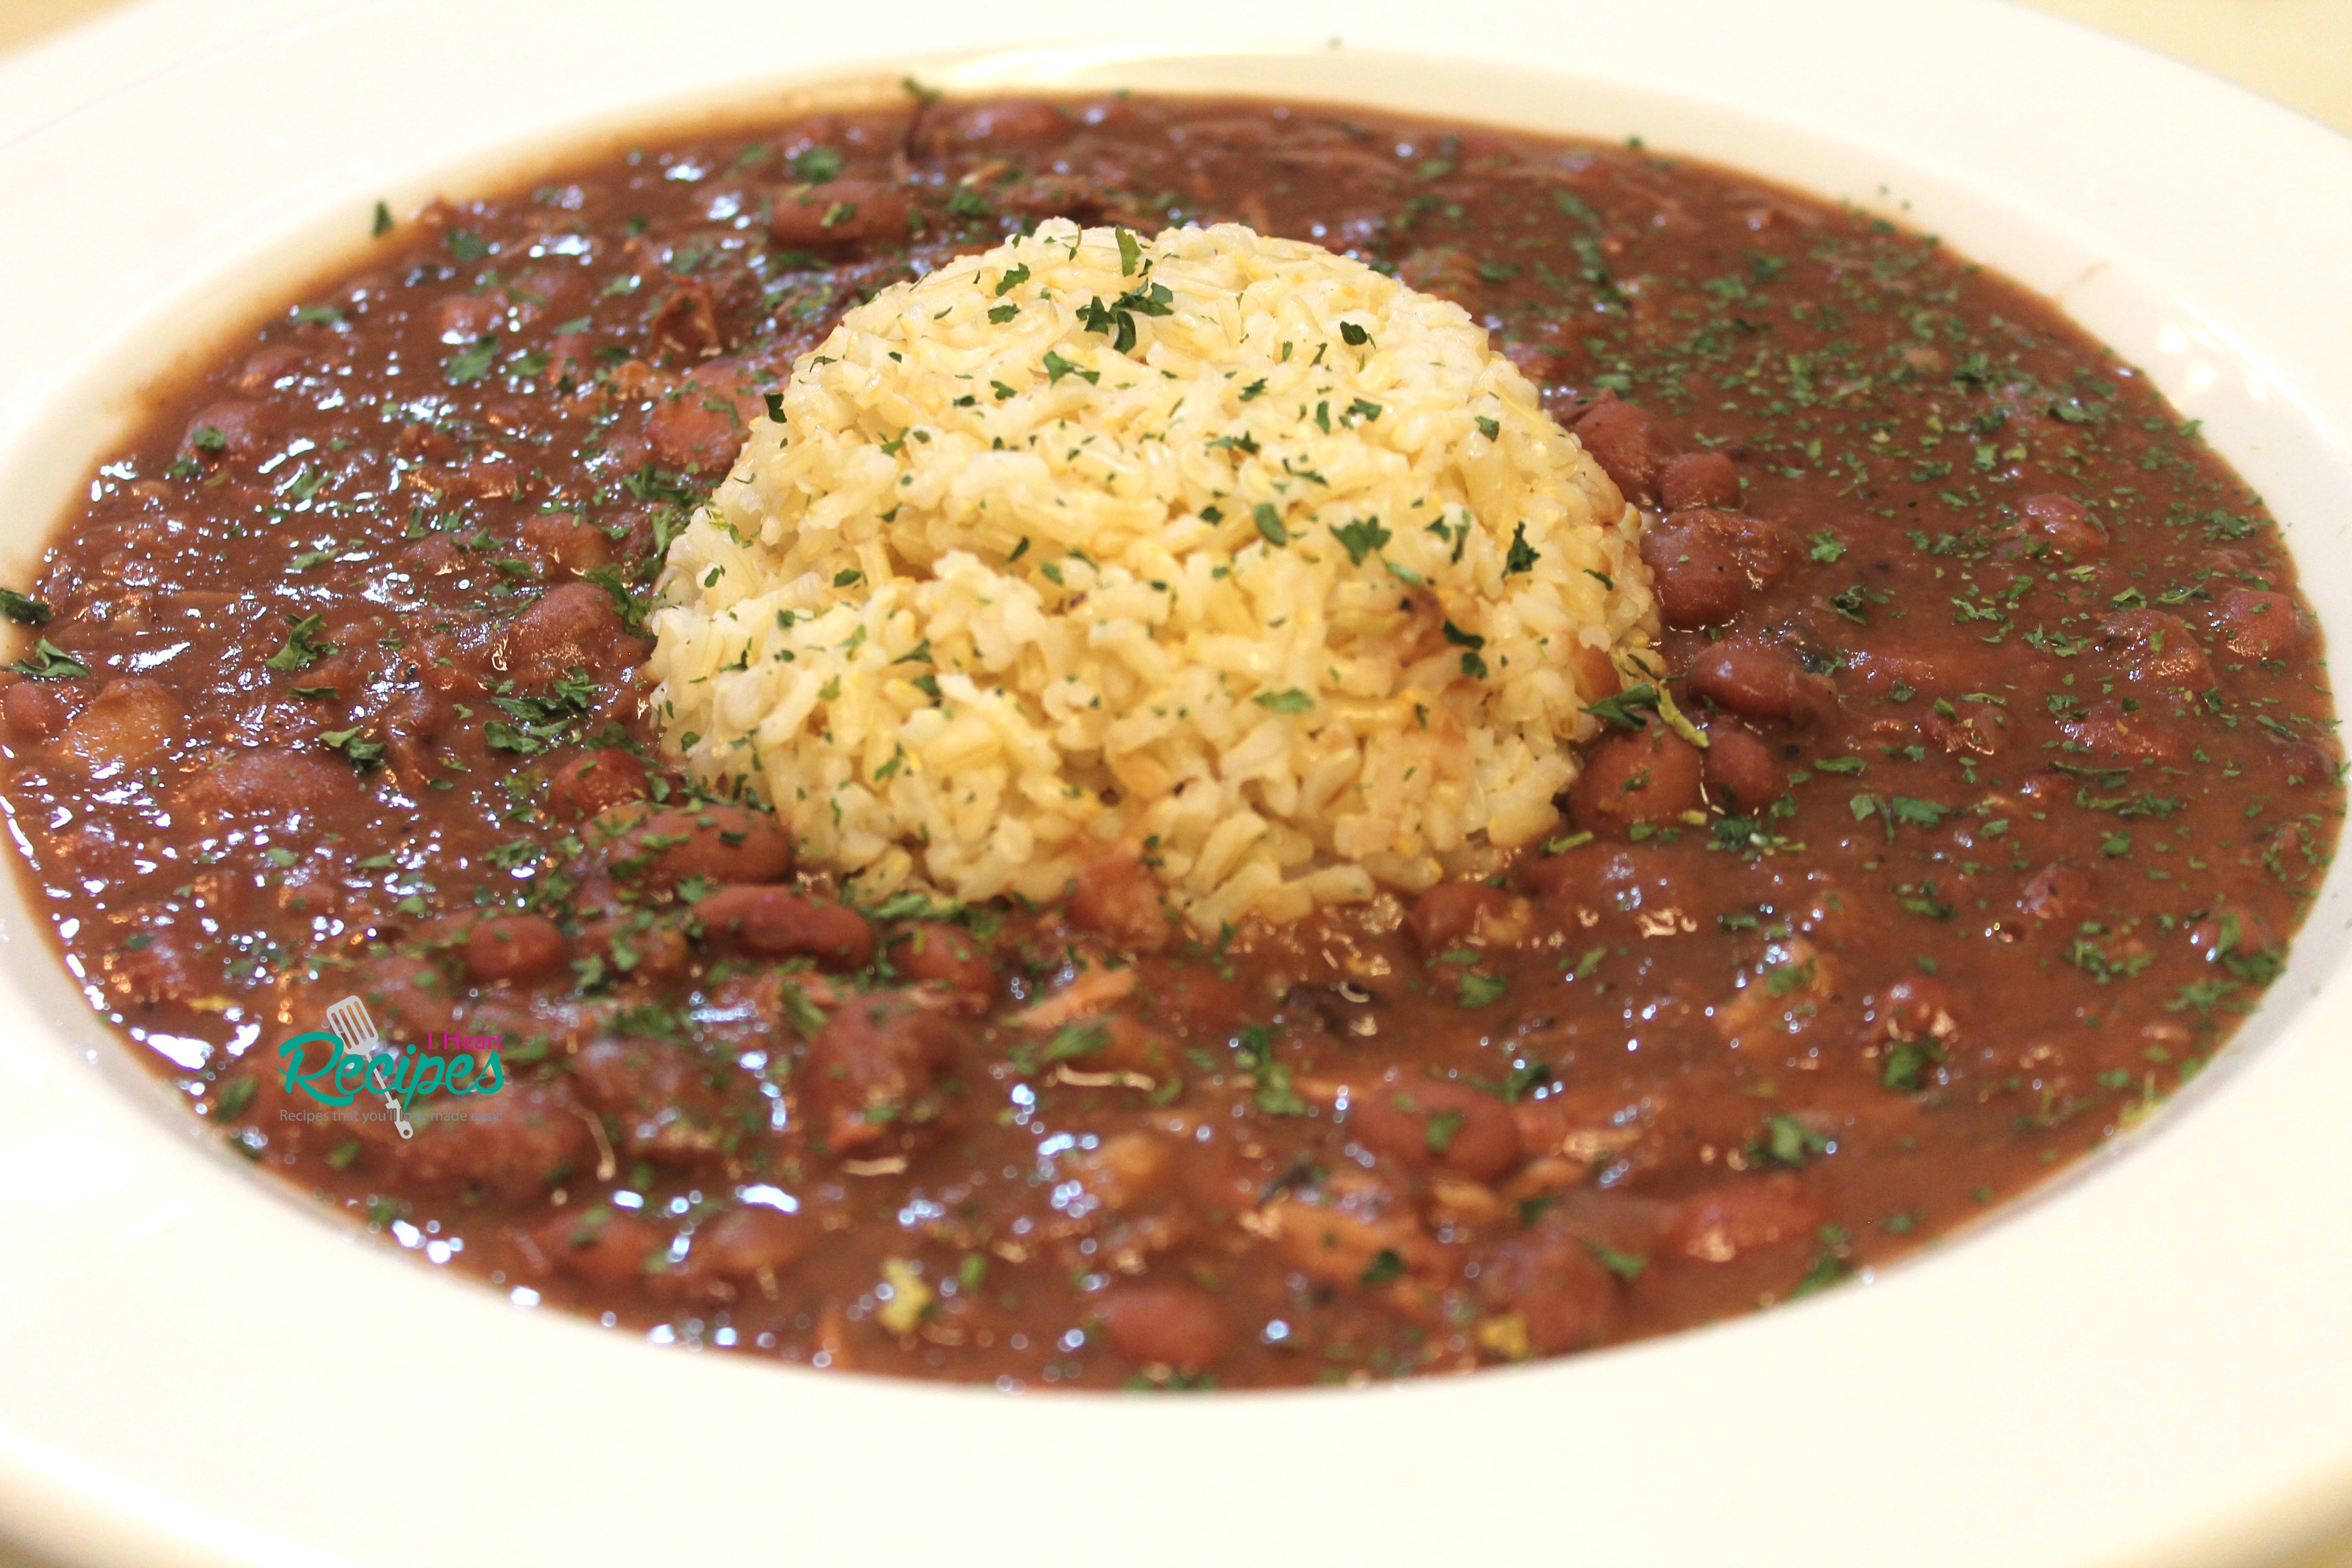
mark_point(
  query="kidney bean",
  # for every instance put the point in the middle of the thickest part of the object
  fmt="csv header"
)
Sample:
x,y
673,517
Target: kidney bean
x,y
1538,363
564,539
839,214
1449,914
657,1100
745,1241
946,955
2107,729
1008,122
2065,524
2058,892
1651,775
1425,1124
1741,770
2233,931
2257,624
160,964
33,711
1700,579
634,945
1736,1216
1624,439
2156,650
873,1066
1550,1279
537,1137
237,427
1190,997
1913,1007
515,947
777,922
594,782
1166,1323
689,432
1758,682
608,1249
1980,727
266,781
2306,762
718,843
1118,898
573,626
1699,479
462,318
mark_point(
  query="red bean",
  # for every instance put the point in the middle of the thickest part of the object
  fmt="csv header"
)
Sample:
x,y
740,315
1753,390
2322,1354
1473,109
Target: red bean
x,y
2110,730
1980,727
875,1066
839,215
1717,1225
2259,625
1699,479
743,1242
948,956
658,1099
594,782
777,922
718,843
1448,914
2057,893
1116,897
1700,579
1012,122
1423,1125
1653,775
633,945
515,947
2233,931
704,427
1551,1279
574,625
2158,649
1761,683
268,782
1166,1323
1190,997
161,963
1913,1007
33,711
237,428
1536,362
2065,524
468,316
604,1249
568,541
1624,439
1741,770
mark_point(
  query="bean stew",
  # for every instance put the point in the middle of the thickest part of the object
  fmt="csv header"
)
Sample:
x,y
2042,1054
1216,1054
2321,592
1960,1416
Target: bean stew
x,y
2018,772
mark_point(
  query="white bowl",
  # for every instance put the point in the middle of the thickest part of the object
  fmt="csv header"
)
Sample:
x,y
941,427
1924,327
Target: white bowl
x,y
2146,1364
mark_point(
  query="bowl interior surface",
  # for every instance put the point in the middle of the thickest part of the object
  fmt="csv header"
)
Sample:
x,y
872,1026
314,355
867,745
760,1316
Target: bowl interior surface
x,y
210,1330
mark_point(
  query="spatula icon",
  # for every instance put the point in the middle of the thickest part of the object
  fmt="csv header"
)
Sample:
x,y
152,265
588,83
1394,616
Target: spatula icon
x,y
350,1021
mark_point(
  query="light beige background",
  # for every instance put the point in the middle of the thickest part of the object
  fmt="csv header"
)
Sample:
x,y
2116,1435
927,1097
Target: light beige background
x,y
2296,51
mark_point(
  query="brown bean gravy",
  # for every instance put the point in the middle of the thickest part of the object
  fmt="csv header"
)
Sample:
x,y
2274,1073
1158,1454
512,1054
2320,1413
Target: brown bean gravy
x,y
2020,773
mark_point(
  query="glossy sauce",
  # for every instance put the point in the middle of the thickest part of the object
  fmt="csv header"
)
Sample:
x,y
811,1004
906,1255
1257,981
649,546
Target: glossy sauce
x,y
2019,775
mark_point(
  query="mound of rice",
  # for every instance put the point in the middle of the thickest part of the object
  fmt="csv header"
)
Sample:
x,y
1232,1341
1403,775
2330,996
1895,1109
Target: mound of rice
x,y
1217,549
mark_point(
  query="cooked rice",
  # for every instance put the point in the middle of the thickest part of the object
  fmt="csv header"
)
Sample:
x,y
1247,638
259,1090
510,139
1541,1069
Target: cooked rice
x,y
1218,549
